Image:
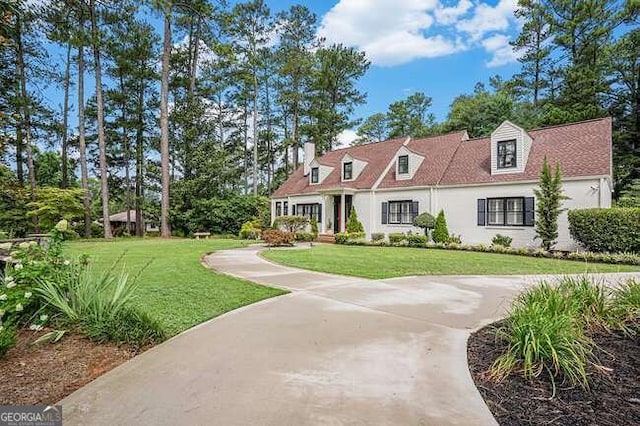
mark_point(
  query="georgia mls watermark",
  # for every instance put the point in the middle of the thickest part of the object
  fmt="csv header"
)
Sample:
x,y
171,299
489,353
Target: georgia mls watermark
x,y
31,415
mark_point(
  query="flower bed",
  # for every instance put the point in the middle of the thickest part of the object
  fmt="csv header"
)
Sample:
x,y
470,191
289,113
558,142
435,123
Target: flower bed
x,y
420,241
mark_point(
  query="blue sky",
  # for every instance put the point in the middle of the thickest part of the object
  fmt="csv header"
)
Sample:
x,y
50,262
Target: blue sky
x,y
439,47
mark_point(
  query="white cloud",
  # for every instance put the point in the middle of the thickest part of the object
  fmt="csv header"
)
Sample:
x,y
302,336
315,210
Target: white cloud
x,y
346,137
487,18
400,31
502,52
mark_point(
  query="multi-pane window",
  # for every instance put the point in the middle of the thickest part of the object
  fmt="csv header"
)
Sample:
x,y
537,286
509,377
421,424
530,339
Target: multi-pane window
x,y
286,208
507,154
400,212
309,210
278,209
505,211
403,164
347,171
315,175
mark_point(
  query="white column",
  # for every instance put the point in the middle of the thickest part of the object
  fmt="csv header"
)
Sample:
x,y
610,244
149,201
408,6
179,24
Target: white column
x,y
323,228
343,209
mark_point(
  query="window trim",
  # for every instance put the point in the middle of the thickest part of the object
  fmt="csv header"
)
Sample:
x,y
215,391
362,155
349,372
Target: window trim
x,y
344,170
310,207
401,213
515,154
400,172
315,175
278,208
505,212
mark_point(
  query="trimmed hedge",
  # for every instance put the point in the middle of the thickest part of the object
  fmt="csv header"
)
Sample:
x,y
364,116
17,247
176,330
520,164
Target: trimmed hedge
x,y
348,237
305,236
606,230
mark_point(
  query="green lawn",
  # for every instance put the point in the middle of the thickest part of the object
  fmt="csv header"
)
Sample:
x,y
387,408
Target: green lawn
x,y
388,262
175,288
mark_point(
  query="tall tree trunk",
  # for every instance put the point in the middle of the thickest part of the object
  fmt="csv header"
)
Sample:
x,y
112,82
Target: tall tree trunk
x,y
165,232
127,155
246,148
26,117
65,120
294,138
19,155
102,144
255,134
84,170
140,158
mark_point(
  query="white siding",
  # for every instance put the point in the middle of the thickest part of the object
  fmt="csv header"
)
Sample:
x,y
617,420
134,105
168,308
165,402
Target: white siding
x,y
415,161
508,131
422,196
460,207
323,172
358,167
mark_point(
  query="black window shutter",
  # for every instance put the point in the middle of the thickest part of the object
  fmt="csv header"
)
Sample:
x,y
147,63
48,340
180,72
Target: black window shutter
x,y
293,209
414,210
529,211
319,213
482,211
385,213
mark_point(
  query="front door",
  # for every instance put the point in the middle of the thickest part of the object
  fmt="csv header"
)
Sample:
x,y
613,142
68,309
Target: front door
x,y
337,210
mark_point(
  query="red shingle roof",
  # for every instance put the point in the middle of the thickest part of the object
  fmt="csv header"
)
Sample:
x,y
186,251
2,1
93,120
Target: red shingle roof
x,y
582,149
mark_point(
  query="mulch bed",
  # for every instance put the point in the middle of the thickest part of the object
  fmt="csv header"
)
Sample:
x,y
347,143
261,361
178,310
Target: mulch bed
x,y
613,397
45,373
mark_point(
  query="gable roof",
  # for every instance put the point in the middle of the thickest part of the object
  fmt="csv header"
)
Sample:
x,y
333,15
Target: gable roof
x,y
582,149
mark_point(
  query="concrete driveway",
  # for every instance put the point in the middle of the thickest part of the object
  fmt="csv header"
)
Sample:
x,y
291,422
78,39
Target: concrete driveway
x,y
335,351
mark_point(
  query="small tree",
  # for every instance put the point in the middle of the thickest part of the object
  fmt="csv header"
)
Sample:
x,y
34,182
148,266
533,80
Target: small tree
x,y
549,199
353,224
440,231
314,227
425,221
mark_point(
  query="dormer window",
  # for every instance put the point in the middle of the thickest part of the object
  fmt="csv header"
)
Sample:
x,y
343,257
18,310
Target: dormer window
x,y
403,164
347,171
315,175
507,154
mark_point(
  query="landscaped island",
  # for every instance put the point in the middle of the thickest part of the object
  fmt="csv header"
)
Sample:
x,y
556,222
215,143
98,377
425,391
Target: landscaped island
x,y
388,262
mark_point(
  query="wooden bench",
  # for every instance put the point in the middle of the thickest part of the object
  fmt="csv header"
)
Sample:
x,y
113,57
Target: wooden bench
x,y
204,235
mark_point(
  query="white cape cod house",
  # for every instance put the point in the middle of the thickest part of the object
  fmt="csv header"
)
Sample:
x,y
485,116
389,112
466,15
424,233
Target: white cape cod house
x,y
484,185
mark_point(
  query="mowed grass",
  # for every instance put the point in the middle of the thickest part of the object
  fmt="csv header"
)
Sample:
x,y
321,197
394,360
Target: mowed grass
x,y
388,262
175,288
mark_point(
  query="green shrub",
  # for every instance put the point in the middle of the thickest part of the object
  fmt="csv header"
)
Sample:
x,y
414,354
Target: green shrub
x,y
130,326
425,221
502,240
314,227
277,237
440,231
397,237
543,335
353,224
377,236
349,238
417,240
101,306
251,230
606,230
454,240
305,236
7,339
293,223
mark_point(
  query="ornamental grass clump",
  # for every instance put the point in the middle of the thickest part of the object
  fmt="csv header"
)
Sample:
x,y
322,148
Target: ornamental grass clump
x,y
544,334
625,307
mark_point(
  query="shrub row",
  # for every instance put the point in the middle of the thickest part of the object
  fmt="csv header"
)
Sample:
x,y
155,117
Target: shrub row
x,y
277,237
420,241
606,230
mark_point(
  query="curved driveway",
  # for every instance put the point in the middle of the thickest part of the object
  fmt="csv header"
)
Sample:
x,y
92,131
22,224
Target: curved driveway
x,y
335,351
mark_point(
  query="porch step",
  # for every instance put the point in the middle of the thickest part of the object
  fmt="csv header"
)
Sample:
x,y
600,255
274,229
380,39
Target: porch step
x,y
326,238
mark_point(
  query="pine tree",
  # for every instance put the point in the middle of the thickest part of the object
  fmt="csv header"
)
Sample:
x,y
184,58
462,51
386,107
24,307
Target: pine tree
x,y
440,230
549,198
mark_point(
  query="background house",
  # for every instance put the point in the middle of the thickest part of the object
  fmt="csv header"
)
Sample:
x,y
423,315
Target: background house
x,y
484,185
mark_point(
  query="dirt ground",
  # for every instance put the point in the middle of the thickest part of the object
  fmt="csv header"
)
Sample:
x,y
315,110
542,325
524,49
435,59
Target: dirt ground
x,y
45,373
